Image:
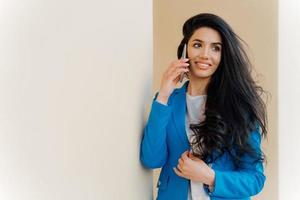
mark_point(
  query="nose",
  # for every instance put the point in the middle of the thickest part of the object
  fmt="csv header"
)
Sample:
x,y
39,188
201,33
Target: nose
x,y
204,53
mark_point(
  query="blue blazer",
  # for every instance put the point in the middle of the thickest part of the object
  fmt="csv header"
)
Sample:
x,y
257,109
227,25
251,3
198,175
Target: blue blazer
x,y
164,140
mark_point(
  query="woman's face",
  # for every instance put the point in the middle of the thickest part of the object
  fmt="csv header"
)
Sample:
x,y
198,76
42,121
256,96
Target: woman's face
x,y
204,51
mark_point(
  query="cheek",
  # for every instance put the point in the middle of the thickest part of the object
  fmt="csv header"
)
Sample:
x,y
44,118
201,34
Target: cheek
x,y
217,59
191,54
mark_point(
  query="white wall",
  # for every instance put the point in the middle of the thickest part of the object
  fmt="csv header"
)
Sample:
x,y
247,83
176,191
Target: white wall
x,y
289,98
74,80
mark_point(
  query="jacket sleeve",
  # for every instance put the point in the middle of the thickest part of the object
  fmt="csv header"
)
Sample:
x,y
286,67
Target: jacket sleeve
x,y
153,151
243,182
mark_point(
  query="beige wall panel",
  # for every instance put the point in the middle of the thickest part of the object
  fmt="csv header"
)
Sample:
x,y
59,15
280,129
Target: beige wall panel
x,y
254,21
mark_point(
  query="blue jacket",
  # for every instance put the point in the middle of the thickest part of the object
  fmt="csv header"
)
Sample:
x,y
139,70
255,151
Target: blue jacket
x,y
164,140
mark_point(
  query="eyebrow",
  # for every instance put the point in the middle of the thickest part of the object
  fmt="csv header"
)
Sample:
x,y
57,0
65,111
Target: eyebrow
x,y
219,43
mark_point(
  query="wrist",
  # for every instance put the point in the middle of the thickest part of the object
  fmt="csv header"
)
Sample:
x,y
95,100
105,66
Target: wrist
x,y
162,98
164,95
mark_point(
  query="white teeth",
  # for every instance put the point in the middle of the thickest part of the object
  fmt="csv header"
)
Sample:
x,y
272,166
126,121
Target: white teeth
x,y
203,65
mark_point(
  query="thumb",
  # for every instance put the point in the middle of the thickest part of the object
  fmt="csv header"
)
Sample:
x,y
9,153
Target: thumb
x,y
191,156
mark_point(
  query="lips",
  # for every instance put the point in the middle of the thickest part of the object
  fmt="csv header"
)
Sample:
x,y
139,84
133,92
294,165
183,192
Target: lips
x,y
203,65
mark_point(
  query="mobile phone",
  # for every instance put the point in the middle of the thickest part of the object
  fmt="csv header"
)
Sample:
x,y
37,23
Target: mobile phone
x,y
183,55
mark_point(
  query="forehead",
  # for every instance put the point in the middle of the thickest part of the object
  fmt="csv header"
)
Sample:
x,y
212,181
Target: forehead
x,y
206,34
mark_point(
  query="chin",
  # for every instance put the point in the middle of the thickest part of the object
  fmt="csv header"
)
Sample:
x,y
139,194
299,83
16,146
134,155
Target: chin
x,y
203,75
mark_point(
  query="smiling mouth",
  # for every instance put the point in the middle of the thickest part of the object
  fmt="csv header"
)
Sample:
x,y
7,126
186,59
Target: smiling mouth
x,y
202,65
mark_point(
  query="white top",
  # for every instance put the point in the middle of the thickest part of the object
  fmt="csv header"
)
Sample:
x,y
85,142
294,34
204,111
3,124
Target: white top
x,y
195,106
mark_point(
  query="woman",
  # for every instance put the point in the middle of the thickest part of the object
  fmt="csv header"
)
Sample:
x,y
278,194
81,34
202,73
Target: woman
x,y
206,135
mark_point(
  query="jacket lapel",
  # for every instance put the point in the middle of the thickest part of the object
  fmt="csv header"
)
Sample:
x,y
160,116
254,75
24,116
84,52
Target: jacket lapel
x,y
179,112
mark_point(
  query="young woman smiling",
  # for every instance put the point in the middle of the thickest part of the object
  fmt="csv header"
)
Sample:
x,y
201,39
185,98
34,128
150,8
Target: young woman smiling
x,y
206,135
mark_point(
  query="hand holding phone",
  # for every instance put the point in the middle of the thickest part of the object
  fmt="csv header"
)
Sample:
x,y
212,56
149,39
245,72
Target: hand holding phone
x,y
174,73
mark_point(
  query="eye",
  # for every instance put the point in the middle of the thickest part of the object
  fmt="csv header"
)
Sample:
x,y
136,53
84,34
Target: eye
x,y
216,48
197,45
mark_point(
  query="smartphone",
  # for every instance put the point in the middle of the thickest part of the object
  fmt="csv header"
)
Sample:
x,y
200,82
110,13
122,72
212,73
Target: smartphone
x,y
183,55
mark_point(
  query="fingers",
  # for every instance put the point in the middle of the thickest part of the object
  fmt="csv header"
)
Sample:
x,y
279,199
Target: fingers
x,y
178,70
191,155
175,74
179,169
174,71
180,165
178,172
181,62
177,64
181,160
184,155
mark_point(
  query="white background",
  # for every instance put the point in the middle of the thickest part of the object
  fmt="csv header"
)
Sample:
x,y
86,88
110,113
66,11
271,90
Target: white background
x,y
74,80
289,98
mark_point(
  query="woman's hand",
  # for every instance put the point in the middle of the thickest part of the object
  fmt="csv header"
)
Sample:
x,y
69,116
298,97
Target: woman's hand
x,y
193,168
171,77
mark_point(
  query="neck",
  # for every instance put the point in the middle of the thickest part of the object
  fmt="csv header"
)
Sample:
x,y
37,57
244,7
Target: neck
x,y
197,87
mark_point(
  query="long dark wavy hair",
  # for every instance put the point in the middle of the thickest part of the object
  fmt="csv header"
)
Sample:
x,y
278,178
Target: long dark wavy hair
x,y
234,105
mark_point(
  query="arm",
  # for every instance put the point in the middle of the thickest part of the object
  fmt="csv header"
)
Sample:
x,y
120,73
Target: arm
x,y
154,153
243,182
